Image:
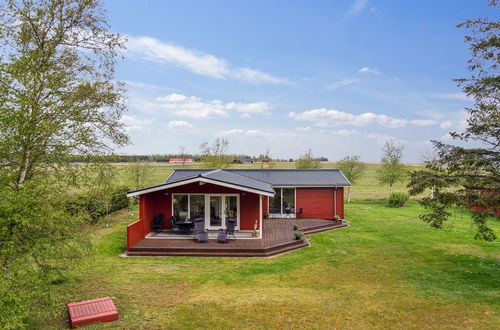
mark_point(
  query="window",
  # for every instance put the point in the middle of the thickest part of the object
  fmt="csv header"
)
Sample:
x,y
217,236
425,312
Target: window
x,y
180,207
288,200
196,206
283,201
275,202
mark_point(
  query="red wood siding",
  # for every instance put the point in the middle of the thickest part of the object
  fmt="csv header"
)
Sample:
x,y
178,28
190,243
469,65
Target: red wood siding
x,y
157,202
319,202
134,233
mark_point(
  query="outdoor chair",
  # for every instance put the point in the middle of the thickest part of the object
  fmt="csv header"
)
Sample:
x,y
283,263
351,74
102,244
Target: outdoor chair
x,y
157,223
231,224
222,236
201,235
299,213
173,225
288,212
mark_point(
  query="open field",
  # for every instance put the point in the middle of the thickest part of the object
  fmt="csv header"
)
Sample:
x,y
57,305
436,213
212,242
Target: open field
x,y
367,188
388,270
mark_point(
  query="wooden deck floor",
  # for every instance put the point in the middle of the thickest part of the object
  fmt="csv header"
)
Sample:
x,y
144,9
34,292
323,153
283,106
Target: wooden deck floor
x,y
277,238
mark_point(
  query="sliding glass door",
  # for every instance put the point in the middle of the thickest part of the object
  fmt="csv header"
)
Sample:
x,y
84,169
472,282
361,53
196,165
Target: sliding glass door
x,y
283,202
222,207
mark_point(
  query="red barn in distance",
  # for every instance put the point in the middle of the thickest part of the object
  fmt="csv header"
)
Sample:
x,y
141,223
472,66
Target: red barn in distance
x,y
180,160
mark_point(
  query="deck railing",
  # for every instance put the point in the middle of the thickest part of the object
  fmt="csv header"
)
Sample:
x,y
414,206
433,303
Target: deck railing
x,y
135,233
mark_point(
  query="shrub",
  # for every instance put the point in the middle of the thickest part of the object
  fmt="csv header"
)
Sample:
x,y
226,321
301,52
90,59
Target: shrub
x,y
94,205
398,199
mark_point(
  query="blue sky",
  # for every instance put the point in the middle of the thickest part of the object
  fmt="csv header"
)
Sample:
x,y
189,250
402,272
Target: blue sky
x,y
339,77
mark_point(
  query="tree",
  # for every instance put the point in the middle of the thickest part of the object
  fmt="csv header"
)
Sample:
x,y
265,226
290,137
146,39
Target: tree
x,y
137,174
391,170
352,169
214,156
467,175
182,152
58,99
307,161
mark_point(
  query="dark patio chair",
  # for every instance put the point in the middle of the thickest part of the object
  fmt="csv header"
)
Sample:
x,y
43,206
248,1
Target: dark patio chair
x,y
201,234
157,223
231,225
299,213
173,225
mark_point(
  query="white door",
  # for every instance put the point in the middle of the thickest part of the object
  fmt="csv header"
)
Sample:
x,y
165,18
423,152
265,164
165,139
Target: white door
x,y
220,208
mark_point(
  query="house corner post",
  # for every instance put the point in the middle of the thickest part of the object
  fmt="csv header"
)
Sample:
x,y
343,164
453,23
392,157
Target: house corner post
x,y
260,216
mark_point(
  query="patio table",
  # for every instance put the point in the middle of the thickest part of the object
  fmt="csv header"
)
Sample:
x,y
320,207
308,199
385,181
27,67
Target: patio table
x,y
185,227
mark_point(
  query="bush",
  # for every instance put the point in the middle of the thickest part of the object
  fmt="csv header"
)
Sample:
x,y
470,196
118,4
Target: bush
x,y
398,199
95,205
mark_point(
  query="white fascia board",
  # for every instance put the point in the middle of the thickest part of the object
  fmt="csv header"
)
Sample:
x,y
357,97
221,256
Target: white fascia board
x,y
198,179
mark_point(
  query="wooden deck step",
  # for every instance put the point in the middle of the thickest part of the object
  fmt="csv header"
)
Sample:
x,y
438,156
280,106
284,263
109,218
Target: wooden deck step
x,y
278,238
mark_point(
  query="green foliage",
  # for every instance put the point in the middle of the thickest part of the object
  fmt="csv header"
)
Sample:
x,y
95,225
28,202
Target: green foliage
x,y
137,174
214,156
391,170
469,177
307,161
39,243
352,169
94,207
298,234
58,99
398,199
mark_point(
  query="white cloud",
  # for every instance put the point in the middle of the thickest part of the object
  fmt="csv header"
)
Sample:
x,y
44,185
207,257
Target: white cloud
x,y
446,124
258,77
423,122
335,118
194,107
341,83
243,133
357,6
197,62
179,124
135,124
368,70
246,115
172,98
325,117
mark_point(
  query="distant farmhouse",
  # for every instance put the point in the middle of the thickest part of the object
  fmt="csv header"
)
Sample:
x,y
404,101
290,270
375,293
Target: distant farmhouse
x,y
180,160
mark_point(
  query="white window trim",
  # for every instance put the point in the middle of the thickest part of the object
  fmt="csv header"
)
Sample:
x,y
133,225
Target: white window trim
x,y
282,214
207,202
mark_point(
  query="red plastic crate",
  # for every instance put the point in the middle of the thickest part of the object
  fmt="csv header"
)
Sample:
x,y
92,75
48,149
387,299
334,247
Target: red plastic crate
x,y
90,311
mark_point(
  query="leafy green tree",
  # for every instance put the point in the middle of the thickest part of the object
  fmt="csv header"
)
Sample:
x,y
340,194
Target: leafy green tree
x,y
391,169
214,155
467,175
58,99
352,169
138,174
307,161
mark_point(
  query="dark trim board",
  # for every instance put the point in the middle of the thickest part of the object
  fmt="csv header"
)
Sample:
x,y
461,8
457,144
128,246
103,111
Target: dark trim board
x,y
277,238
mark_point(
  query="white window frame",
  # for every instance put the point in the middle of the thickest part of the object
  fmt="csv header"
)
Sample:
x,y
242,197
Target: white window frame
x,y
282,214
207,209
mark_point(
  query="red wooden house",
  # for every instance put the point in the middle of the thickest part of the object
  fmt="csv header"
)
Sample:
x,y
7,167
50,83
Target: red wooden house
x,y
249,196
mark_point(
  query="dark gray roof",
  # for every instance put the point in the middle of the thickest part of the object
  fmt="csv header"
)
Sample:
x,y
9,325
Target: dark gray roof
x,y
221,176
313,178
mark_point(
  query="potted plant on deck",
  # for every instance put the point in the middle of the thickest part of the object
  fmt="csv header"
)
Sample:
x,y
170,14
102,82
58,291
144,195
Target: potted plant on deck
x,y
298,235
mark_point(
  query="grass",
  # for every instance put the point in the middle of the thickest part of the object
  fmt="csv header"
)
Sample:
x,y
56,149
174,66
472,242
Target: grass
x,y
387,270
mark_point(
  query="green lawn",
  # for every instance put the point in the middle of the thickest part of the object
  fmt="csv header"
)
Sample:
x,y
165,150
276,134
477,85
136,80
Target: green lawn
x,y
387,270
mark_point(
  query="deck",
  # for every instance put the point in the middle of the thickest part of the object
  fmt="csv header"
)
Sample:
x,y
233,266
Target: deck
x,y
277,238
